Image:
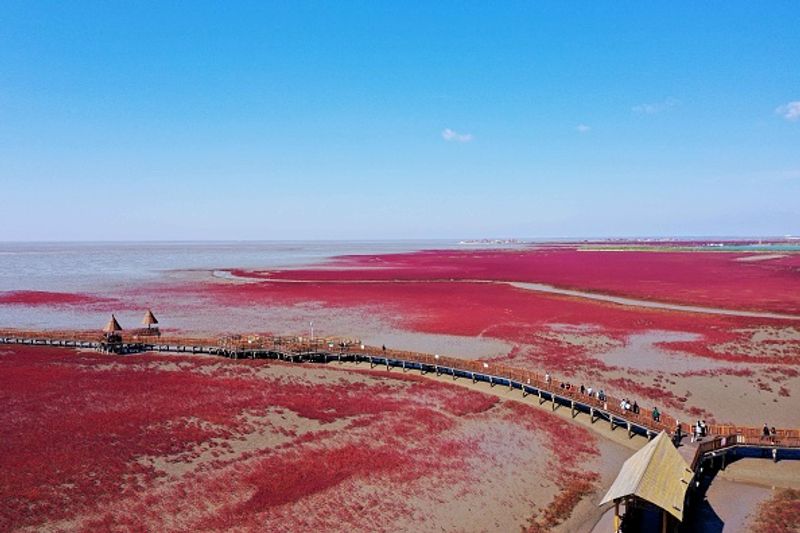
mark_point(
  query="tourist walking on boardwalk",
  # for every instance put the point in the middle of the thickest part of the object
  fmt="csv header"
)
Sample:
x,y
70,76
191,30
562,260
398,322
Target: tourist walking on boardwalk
x,y
696,431
765,433
656,414
678,433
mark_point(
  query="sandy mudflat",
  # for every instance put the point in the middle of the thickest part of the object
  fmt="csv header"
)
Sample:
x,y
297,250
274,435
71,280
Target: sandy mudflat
x,y
218,444
761,257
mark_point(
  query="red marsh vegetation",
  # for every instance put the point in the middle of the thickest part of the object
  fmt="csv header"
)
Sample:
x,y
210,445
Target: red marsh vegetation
x,y
720,279
461,293
146,442
781,513
46,298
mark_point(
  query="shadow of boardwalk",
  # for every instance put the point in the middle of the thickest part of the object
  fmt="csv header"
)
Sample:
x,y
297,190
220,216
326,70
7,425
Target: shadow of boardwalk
x,y
703,519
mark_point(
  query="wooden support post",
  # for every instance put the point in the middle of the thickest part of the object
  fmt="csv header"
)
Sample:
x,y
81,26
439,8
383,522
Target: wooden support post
x,y
591,414
491,382
510,387
616,516
541,399
473,376
553,401
664,518
572,406
611,420
371,362
524,393
404,366
630,430
387,364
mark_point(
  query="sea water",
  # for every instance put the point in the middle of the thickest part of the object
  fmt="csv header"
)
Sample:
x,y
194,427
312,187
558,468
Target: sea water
x,y
115,270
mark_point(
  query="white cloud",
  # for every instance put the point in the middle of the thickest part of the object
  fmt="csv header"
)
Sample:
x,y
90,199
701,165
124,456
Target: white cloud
x,y
453,136
790,111
583,128
655,107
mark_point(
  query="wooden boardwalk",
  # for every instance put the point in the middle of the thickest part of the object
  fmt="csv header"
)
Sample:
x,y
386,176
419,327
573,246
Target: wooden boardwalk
x,y
723,440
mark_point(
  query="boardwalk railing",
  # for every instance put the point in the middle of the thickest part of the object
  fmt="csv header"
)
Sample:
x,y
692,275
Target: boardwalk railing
x,y
765,446
558,392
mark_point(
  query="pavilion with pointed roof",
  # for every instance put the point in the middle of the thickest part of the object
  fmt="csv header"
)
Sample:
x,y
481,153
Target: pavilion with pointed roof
x,y
657,475
149,319
111,331
112,326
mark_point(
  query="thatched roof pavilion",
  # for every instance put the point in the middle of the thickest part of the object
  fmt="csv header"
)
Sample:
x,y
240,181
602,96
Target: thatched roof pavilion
x,y
112,326
656,474
149,319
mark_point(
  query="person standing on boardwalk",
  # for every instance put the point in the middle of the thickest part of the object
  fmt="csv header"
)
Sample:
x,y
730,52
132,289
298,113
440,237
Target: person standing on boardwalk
x,y
678,435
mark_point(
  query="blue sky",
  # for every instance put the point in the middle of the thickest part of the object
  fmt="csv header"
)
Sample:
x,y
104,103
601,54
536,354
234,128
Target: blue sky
x,y
362,120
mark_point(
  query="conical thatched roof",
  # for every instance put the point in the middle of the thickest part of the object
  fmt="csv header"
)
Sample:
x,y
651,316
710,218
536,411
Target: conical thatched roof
x,y
112,325
149,318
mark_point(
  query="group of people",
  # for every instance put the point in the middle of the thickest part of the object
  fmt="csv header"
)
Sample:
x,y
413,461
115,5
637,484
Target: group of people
x,y
584,390
769,433
626,405
699,430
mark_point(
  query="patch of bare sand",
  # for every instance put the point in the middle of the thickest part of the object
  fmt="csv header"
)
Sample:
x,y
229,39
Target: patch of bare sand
x,y
641,351
762,342
509,480
587,339
763,472
267,430
744,400
732,505
767,334
762,257
588,512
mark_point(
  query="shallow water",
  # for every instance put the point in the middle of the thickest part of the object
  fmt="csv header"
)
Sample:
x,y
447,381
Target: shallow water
x,y
91,267
110,269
